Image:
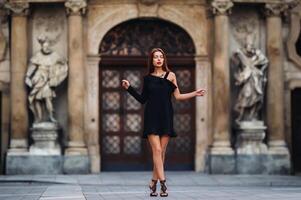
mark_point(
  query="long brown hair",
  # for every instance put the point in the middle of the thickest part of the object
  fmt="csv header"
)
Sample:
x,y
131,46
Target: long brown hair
x,y
151,67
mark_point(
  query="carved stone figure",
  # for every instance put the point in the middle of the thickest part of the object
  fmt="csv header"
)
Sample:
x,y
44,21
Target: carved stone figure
x,y
251,78
46,70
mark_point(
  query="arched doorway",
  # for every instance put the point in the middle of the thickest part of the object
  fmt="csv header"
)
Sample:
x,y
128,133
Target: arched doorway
x,y
124,51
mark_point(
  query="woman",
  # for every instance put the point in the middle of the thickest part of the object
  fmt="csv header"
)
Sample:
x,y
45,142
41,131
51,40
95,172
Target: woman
x,y
158,85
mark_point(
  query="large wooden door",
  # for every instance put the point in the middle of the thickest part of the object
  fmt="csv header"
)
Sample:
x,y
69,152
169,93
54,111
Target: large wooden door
x,y
122,147
124,52
181,150
296,130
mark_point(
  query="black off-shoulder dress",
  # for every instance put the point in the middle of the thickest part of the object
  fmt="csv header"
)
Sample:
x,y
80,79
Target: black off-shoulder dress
x,y
158,111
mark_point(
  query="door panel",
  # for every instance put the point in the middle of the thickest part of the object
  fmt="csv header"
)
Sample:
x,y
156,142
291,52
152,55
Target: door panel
x,y
296,129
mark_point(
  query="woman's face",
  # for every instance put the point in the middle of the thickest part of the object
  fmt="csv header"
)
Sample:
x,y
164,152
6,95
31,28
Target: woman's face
x,y
158,59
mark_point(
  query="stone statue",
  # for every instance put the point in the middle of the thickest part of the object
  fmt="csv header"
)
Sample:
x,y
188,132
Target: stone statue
x,y
250,76
46,70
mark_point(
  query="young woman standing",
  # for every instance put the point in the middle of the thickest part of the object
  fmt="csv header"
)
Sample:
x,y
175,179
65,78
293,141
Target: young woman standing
x,y
158,85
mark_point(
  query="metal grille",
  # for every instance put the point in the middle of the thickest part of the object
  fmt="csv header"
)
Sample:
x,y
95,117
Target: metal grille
x,y
111,100
133,123
132,145
110,79
111,144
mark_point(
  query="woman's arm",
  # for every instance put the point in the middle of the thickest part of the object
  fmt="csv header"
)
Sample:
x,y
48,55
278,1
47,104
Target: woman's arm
x,y
142,98
184,96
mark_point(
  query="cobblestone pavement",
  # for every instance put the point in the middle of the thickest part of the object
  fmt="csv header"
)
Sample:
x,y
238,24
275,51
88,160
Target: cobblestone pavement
x,y
133,185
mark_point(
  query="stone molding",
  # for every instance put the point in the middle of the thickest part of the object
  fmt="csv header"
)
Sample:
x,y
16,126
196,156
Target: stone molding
x,y
221,7
76,7
93,59
18,8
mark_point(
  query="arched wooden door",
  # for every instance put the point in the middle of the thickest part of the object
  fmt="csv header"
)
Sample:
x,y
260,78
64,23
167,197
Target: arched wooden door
x,y
124,52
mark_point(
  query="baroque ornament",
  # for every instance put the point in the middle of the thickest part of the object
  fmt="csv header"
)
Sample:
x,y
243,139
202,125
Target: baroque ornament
x,y
75,7
51,25
18,8
245,23
275,9
221,7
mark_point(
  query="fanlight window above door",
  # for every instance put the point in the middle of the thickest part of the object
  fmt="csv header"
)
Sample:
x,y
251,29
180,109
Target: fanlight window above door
x,y
137,37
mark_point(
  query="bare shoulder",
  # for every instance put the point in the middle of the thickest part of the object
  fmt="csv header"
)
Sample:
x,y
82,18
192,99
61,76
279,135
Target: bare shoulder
x,y
172,75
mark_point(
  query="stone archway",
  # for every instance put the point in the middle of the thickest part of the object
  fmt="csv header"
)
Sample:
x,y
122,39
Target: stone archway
x,y
124,51
104,17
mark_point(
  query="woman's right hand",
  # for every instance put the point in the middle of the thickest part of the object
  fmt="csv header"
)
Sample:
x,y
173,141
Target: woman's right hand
x,y
125,84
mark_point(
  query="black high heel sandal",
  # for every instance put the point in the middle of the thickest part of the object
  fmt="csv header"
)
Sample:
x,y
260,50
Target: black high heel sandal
x,y
153,188
163,192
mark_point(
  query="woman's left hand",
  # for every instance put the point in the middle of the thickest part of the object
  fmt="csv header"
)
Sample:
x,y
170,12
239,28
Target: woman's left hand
x,y
200,92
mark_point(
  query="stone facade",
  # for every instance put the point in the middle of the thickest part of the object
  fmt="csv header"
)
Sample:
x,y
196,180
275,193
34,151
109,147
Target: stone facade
x,y
217,28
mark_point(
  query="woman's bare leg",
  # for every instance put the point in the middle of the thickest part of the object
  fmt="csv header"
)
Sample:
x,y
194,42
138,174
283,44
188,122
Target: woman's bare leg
x,y
155,143
163,142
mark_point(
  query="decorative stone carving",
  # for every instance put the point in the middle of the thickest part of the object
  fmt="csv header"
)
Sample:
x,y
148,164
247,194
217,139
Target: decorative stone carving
x,y
149,9
45,137
275,9
221,7
18,8
51,24
76,7
251,77
45,71
243,23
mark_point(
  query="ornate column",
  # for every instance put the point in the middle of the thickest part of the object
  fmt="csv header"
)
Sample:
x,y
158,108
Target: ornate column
x,y
275,87
92,112
76,89
203,77
279,154
221,152
19,115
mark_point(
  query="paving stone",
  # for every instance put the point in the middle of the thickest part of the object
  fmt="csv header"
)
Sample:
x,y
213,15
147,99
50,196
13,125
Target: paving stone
x,y
134,186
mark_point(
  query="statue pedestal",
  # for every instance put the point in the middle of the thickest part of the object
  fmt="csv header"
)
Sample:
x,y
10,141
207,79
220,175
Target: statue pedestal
x,y
251,152
45,136
45,155
250,138
252,155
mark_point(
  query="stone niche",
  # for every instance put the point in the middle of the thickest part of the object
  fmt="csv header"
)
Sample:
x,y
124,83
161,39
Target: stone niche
x,y
252,155
51,21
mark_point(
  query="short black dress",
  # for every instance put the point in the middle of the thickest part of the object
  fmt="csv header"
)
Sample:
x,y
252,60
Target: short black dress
x,y
158,111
